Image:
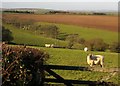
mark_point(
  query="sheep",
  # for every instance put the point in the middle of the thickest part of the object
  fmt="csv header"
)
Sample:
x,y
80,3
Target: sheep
x,y
85,49
47,45
95,59
52,45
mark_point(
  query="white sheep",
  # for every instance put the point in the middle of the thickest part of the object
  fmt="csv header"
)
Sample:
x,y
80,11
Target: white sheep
x,y
95,59
47,45
85,49
52,45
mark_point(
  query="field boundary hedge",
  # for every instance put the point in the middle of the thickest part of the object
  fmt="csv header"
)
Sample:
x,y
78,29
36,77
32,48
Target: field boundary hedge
x,y
22,66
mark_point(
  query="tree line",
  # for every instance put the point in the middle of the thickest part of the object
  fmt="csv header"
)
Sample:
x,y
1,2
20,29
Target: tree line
x,y
76,13
18,11
56,12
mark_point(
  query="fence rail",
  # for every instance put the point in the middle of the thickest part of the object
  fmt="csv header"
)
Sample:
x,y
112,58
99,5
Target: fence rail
x,y
60,67
73,81
59,79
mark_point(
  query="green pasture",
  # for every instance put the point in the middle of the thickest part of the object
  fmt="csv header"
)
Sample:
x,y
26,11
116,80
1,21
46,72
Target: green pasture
x,y
30,38
87,33
78,57
70,57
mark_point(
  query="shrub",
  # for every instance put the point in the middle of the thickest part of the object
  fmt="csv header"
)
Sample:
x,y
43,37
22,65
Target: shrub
x,y
49,30
22,66
78,46
62,36
115,47
81,40
6,35
72,39
96,45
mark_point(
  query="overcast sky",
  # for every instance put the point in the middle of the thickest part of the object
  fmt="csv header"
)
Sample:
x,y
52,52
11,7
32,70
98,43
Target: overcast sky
x,y
59,0
71,5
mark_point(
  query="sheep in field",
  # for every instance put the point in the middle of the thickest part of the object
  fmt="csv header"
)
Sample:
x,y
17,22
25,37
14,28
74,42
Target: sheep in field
x,y
95,59
85,49
47,45
52,45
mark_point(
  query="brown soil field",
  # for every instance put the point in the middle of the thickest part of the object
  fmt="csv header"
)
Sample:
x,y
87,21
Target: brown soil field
x,y
99,22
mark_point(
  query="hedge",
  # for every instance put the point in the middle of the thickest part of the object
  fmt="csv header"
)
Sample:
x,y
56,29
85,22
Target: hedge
x,y
22,66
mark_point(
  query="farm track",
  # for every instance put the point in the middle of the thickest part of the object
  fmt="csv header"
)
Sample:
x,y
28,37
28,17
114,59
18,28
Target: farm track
x,y
112,72
105,69
105,78
100,22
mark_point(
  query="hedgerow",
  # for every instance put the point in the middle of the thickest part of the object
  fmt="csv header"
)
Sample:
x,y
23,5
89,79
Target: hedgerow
x,y
22,66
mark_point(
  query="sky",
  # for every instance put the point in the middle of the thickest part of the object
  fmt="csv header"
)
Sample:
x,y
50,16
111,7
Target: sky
x,y
88,5
59,0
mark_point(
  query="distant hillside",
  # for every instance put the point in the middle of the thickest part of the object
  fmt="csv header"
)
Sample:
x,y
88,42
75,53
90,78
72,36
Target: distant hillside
x,y
51,11
23,10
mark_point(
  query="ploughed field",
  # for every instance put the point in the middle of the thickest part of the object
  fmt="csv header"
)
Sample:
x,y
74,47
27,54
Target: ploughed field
x,y
99,22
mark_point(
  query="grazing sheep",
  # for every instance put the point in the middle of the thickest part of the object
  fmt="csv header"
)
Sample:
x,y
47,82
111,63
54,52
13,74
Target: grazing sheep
x,y
52,45
85,49
47,45
95,59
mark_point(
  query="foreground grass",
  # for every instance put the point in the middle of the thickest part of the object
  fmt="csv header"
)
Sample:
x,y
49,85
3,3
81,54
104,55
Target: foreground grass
x,y
78,57
70,57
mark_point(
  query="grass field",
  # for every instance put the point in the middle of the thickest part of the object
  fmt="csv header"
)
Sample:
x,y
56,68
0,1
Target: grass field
x,y
78,57
69,57
87,33
27,37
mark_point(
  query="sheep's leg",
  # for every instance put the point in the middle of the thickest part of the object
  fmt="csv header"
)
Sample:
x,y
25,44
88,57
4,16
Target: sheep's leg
x,y
101,65
91,64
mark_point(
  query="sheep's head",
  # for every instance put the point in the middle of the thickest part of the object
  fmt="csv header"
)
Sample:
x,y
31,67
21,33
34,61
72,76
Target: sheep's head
x,y
90,55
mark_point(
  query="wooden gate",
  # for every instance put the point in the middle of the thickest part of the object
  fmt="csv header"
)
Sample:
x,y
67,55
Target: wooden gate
x,y
59,79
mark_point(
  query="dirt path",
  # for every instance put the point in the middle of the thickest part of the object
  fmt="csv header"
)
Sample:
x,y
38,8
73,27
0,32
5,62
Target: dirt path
x,y
105,78
105,69
112,72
